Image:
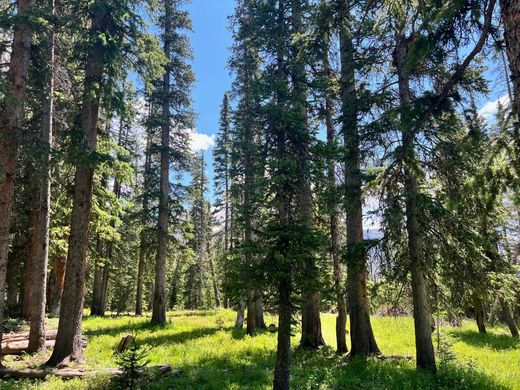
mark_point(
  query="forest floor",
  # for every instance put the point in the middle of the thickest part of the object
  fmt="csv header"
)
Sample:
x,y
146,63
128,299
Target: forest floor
x,y
212,355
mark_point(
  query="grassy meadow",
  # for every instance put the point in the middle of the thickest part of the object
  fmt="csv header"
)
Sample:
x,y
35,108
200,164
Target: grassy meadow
x,y
212,355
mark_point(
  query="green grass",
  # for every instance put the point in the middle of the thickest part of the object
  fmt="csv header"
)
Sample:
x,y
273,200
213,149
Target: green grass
x,y
212,355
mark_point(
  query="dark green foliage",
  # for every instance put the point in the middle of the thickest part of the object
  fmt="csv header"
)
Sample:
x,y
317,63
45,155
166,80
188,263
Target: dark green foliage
x,y
132,362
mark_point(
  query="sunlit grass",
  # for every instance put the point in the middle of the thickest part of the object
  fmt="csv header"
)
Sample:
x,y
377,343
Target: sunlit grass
x,y
212,355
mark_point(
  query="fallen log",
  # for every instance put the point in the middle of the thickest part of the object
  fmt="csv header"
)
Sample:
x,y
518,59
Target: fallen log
x,y
19,347
29,373
49,335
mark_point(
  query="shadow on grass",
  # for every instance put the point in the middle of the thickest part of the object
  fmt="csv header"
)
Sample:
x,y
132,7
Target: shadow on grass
x,y
487,340
124,328
252,369
175,338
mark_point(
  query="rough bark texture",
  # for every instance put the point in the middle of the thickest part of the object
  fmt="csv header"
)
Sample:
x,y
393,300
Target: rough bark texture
x,y
216,291
251,314
479,313
11,118
334,249
421,308
68,342
361,334
39,248
141,267
510,320
239,322
510,11
159,297
55,285
300,138
259,311
97,283
282,371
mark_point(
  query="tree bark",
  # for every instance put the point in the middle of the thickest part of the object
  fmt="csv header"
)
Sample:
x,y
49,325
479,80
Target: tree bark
x,y
95,309
421,307
11,118
510,12
361,334
216,291
479,313
12,284
39,247
311,323
68,342
259,311
56,282
141,267
251,314
510,320
239,322
159,297
282,371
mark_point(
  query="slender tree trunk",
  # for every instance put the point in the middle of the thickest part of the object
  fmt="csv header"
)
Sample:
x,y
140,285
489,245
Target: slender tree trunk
x,y
341,304
421,307
39,249
68,341
282,371
11,118
216,292
12,284
311,322
239,322
510,320
479,313
104,288
251,314
29,269
259,311
56,282
141,267
159,297
361,334
510,12
95,309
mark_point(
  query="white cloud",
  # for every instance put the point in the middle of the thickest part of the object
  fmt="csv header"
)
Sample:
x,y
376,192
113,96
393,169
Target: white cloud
x,y
201,141
489,110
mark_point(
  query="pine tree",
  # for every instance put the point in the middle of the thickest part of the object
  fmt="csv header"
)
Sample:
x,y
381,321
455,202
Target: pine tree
x,y
11,120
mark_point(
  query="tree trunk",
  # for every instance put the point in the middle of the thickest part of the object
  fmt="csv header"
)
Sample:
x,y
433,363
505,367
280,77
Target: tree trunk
x,y
159,297
29,269
12,284
361,334
510,12
251,314
104,283
239,323
282,371
68,342
311,323
56,282
95,309
39,249
216,292
479,313
421,307
510,320
259,311
141,267
11,118
341,304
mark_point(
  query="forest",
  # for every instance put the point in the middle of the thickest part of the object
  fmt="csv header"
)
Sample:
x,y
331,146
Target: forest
x,y
355,225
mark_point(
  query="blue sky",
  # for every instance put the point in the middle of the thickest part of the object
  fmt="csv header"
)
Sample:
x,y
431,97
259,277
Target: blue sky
x,y
211,41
